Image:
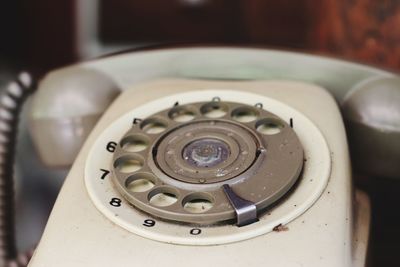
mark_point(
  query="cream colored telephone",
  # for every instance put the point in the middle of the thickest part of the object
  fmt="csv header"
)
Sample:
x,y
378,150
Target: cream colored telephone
x,y
213,157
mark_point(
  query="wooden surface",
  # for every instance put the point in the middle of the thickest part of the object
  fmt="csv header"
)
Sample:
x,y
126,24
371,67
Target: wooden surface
x,y
229,21
364,30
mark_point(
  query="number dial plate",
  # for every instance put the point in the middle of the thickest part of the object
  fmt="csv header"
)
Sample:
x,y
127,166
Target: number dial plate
x,y
315,176
260,168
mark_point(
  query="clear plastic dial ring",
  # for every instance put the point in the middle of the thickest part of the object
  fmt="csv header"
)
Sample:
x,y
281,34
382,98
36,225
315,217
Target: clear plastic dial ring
x,y
145,179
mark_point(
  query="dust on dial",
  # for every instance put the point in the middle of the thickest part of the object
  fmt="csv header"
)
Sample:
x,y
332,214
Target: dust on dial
x,y
207,162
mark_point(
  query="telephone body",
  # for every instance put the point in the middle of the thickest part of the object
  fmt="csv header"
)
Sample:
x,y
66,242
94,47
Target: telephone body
x,y
147,187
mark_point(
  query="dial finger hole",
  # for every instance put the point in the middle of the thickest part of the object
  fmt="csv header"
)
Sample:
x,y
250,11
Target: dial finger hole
x,y
140,182
163,197
197,203
214,109
129,164
154,126
269,126
182,114
245,114
135,143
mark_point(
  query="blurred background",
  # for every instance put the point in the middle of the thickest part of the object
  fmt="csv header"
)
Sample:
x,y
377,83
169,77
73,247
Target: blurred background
x,y
44,34
47,34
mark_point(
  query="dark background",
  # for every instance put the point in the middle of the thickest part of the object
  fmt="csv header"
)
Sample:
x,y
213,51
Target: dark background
x,y
43,34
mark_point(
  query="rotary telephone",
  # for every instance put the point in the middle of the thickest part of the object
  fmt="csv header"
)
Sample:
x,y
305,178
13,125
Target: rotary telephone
x,y
213,157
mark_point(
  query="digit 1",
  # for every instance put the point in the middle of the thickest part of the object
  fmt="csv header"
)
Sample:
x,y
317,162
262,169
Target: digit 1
x,y
136,120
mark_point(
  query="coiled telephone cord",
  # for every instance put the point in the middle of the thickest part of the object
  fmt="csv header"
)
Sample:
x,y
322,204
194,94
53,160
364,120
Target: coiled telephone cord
x,y
11,102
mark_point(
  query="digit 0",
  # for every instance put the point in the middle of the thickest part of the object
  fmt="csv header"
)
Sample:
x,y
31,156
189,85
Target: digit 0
x,y
195,231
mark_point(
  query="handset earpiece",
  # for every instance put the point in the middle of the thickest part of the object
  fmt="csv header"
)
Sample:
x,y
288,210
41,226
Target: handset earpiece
x,y
371,111
65,109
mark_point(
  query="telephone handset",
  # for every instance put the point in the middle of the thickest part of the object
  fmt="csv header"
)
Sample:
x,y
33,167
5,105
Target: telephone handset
x,y
208,156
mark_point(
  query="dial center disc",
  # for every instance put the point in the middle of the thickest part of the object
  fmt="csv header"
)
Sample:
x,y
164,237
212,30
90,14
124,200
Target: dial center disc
x,y
206,152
